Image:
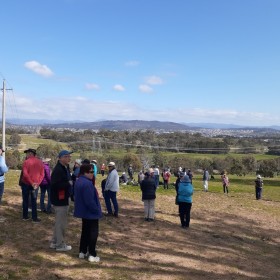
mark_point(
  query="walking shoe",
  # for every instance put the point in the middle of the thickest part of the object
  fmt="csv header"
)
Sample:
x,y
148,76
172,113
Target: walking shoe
x,y
26,219
116,215
63,248
82,255
93,259
108,214
52,245
36,220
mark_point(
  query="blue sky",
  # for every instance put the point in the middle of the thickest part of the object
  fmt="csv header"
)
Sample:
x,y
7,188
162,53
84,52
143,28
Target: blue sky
x,y
214,61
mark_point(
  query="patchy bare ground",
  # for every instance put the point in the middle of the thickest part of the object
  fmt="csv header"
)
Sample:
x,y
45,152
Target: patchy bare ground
x,y
232,237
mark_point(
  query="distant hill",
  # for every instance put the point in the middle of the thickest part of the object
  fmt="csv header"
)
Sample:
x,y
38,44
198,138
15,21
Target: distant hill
x,y
125,125
136,125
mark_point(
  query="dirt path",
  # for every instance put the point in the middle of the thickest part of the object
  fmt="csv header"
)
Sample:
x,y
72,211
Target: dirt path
x,y
227,240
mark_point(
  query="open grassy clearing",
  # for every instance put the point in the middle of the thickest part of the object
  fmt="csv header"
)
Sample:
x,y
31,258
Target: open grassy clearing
x,y
231,237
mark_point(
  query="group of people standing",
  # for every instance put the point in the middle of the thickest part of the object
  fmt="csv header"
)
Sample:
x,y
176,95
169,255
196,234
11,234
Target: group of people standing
x,y
61,184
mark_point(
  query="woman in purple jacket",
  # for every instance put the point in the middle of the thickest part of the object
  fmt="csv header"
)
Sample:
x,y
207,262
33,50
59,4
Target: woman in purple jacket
x,y
88,208
45,186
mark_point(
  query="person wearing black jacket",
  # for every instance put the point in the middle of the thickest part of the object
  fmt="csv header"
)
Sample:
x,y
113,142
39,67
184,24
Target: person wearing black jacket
x,y
148,188
61,185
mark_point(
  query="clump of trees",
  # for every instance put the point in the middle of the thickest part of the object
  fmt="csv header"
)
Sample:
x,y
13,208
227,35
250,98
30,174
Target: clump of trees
x,y
148,148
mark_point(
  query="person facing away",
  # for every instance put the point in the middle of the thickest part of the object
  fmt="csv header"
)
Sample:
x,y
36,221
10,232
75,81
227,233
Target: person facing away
x,y
102,169
111,189
205,179
259,187
156,175
148,188
74,176
61,184
3,170
190,174
225,182
141,177
45,186
32,176
185,192
166,177
130,172
94,166
88,208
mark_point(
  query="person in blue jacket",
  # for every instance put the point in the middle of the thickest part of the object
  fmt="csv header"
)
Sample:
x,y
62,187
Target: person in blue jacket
x,y
185,192
88,208
3,170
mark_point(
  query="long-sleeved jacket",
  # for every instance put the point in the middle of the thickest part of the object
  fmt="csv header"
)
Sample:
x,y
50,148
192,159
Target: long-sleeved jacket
x,y
205,175
3,169
60,185
47,178
87,205
185,192
112,181
32,171
148,188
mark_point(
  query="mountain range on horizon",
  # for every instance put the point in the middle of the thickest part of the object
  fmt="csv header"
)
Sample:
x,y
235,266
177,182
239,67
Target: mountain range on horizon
x,y
132,124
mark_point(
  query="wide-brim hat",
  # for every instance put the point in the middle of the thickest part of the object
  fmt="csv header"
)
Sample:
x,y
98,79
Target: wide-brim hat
x,y
30,151
111,163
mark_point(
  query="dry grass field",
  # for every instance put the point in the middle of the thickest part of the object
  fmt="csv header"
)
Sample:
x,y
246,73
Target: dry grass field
x,y
230,237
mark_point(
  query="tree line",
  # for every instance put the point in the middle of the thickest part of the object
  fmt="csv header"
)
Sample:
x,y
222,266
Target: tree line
x,y
146,149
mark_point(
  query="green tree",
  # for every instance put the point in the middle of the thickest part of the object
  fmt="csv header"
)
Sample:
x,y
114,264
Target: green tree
x,y
14,140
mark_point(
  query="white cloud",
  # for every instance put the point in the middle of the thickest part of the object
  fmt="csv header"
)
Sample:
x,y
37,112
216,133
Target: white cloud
x,y
132,63
118,88
40,69
145,89
69,108
154,80
91,86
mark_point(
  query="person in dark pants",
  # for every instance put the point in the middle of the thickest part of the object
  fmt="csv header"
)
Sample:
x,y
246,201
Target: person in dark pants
x,y
185,192
148,188
111,189
31,177
45,186
87,207
259,187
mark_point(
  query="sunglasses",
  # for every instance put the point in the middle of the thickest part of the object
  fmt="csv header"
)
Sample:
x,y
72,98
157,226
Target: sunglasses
x,y
91,171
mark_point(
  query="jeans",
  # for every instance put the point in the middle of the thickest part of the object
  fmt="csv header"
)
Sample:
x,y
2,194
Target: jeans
x,y
28,192
225,187
1,191
258,193
185,213
90,229
111,196
44,189
157,180
165,184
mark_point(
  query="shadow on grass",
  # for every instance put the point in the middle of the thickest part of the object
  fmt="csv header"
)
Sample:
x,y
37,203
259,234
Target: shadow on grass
x,y
218,245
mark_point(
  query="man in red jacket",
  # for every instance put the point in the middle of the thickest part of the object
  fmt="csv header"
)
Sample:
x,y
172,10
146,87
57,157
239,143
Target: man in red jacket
x,y
32,176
